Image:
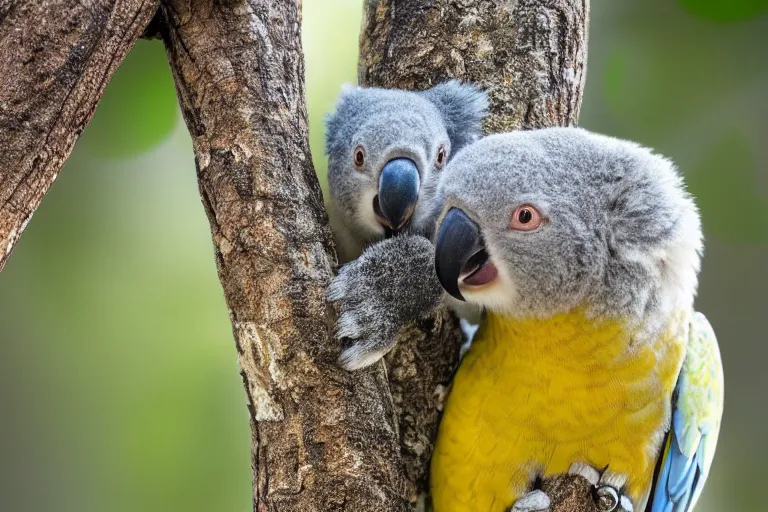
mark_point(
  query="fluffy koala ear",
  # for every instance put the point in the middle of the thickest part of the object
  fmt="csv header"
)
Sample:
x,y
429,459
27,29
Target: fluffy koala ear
x,y
334,122
463,107
652,214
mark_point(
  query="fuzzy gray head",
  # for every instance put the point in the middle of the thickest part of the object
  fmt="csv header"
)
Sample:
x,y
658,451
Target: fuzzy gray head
x,y
420,131
569,219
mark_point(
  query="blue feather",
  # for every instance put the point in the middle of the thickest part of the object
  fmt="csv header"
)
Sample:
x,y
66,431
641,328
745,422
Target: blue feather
x,y
679,477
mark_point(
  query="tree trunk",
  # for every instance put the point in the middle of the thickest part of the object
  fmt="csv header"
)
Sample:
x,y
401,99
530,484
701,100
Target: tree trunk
x,y
531,57
56,57
322,439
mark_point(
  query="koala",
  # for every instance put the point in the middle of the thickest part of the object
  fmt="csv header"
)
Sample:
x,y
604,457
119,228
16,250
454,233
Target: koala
x,y
386,149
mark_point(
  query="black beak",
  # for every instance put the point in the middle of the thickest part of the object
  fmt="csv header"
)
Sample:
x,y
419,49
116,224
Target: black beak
x,y
398,193
459,250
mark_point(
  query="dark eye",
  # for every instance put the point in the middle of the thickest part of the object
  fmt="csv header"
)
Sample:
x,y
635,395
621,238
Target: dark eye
x,y
525,218
441,155
359,156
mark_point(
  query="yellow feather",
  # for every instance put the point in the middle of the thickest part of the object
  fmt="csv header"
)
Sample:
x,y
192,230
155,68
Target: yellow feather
x,y
532,397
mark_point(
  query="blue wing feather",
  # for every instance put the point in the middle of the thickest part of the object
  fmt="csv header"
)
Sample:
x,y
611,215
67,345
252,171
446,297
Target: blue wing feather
x,y
697,410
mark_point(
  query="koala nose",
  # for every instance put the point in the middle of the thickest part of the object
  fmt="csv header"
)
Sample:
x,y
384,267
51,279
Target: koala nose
x,y
398,193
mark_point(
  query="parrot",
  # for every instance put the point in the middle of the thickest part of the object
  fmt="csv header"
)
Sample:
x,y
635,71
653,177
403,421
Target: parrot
x,y
583,251
386,149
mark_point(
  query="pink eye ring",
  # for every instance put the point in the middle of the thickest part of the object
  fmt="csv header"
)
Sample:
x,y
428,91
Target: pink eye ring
x,y
526,218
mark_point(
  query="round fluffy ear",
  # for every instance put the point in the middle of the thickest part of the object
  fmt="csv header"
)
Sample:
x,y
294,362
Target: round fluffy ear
x,y
648,205
654,223
463,107
335,122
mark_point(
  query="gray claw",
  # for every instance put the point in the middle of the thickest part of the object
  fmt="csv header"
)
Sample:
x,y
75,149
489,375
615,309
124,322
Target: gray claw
x,y
585,470
534,501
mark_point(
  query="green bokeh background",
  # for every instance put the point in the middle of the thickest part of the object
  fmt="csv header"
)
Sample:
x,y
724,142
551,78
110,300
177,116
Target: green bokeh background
x,y
119,389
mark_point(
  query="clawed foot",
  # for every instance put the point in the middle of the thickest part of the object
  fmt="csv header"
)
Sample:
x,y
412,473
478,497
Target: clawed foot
x,y
365,323
534,501
391,284
607,496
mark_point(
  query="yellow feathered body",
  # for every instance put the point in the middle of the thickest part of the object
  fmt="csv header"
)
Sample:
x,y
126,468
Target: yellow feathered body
x,y
532,397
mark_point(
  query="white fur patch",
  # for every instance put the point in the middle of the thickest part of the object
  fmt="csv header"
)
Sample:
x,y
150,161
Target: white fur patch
x,y
359,356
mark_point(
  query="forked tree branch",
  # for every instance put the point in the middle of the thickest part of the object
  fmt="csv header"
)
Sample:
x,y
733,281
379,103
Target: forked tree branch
x,y
56,57
323,439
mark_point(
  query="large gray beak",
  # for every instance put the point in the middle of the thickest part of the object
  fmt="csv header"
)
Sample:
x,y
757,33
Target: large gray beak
x,y
398,193
459,250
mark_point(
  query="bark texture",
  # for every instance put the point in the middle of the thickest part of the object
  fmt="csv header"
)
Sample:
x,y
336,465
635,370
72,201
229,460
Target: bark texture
x,y
420,368
322,439
56,57
531,57
529,54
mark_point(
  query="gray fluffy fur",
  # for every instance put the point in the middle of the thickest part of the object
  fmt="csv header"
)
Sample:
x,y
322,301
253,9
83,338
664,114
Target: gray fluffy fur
x,y
391,123
376,303
622,236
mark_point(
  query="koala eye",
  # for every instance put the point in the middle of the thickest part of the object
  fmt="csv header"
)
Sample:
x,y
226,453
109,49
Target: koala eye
x,y
359,157
441,155
526,218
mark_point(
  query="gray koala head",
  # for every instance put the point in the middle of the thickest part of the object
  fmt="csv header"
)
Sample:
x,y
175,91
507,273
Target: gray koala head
x,y
386,148
544,222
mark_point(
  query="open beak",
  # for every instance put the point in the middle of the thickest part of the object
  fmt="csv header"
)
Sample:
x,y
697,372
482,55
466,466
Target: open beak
x,y
460,255
398,193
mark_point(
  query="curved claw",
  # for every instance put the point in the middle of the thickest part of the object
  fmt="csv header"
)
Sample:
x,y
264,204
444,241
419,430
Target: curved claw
x,y
534,501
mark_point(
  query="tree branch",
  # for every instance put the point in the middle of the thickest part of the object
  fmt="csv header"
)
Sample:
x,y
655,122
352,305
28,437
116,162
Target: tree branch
x,y
322,439
56,57
531,57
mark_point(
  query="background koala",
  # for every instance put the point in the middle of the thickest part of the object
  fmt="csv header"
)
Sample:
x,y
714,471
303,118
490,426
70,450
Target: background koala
x,y
386,148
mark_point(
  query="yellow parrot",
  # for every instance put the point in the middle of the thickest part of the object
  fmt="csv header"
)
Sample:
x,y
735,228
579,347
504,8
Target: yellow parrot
x,y
584,252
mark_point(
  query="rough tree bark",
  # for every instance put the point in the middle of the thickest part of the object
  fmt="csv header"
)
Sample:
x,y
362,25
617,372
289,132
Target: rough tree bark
x,y
531,57
322,439
56,57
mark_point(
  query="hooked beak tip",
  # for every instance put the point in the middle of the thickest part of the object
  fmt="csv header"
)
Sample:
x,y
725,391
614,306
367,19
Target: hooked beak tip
x,y
459,246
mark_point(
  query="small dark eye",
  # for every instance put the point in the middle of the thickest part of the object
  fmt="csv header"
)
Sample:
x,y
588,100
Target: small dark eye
x,y
441,155
359,156
524,216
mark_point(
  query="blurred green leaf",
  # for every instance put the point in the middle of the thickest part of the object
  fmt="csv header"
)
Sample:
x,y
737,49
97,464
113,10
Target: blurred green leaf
x,y
657,87
138,110
724,10
331,59
725,186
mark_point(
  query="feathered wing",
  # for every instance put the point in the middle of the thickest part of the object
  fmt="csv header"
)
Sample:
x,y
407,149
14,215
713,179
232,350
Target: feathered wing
x,y
697,411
